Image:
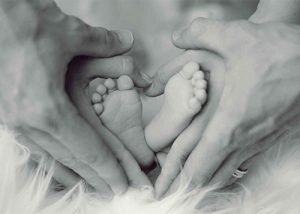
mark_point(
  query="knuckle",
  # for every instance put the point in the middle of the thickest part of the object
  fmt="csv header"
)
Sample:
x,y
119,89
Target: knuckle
x,y
78,30
199,179
93,159
180,151
222,143
234,139
228,143
76,25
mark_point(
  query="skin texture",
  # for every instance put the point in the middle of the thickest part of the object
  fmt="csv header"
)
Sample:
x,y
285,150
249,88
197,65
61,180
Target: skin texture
x,y
258,105
120,111
185,94
37,50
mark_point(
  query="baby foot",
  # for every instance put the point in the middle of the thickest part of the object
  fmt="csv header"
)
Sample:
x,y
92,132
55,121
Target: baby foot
x,y
185,93
118,106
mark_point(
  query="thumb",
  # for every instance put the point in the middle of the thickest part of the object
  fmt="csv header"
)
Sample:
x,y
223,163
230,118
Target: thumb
x,y
87,68
203,34
206,60
165,72
105,43
100,42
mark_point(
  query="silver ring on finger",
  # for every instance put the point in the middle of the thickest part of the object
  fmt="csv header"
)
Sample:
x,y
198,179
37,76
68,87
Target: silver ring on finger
x,y
239,173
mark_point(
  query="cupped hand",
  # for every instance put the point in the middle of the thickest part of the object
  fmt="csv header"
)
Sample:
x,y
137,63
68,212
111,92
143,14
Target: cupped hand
x,y
258,105
37,49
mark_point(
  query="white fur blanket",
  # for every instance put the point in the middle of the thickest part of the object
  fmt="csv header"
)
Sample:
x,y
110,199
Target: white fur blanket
x,y
273,186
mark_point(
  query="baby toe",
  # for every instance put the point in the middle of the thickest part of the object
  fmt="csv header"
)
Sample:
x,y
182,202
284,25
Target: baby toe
x,y
194,104
201,95
189,69
200,84
198,75
125,83
110,84
101,89
98,108
104,96
96,98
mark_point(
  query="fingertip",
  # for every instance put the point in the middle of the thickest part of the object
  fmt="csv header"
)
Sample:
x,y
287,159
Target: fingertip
x,y
175,186
176,35
145,79
106,196
155,89
121,190
161,157
104,191
177,39
121,186
125,37
158,188
162,183
148,91
141,79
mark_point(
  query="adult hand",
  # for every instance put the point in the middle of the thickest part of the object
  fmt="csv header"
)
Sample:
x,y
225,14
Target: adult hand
x,y
37,48
259,102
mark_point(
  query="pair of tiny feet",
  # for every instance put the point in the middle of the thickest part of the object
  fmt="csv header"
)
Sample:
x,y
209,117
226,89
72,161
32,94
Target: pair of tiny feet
x,y
118,106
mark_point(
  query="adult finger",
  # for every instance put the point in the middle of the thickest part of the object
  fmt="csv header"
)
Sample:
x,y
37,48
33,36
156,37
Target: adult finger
x,y
207,60
239,158
162,155
188,139
65,156
211,35
181,149
61,173
109,68
88,147
213,147
91,158
97,41
161,158
175,159
244,166
136,177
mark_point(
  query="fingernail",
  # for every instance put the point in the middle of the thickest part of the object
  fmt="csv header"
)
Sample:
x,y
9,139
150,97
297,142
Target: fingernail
x,y
149,90
146,77
176,35
125,36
